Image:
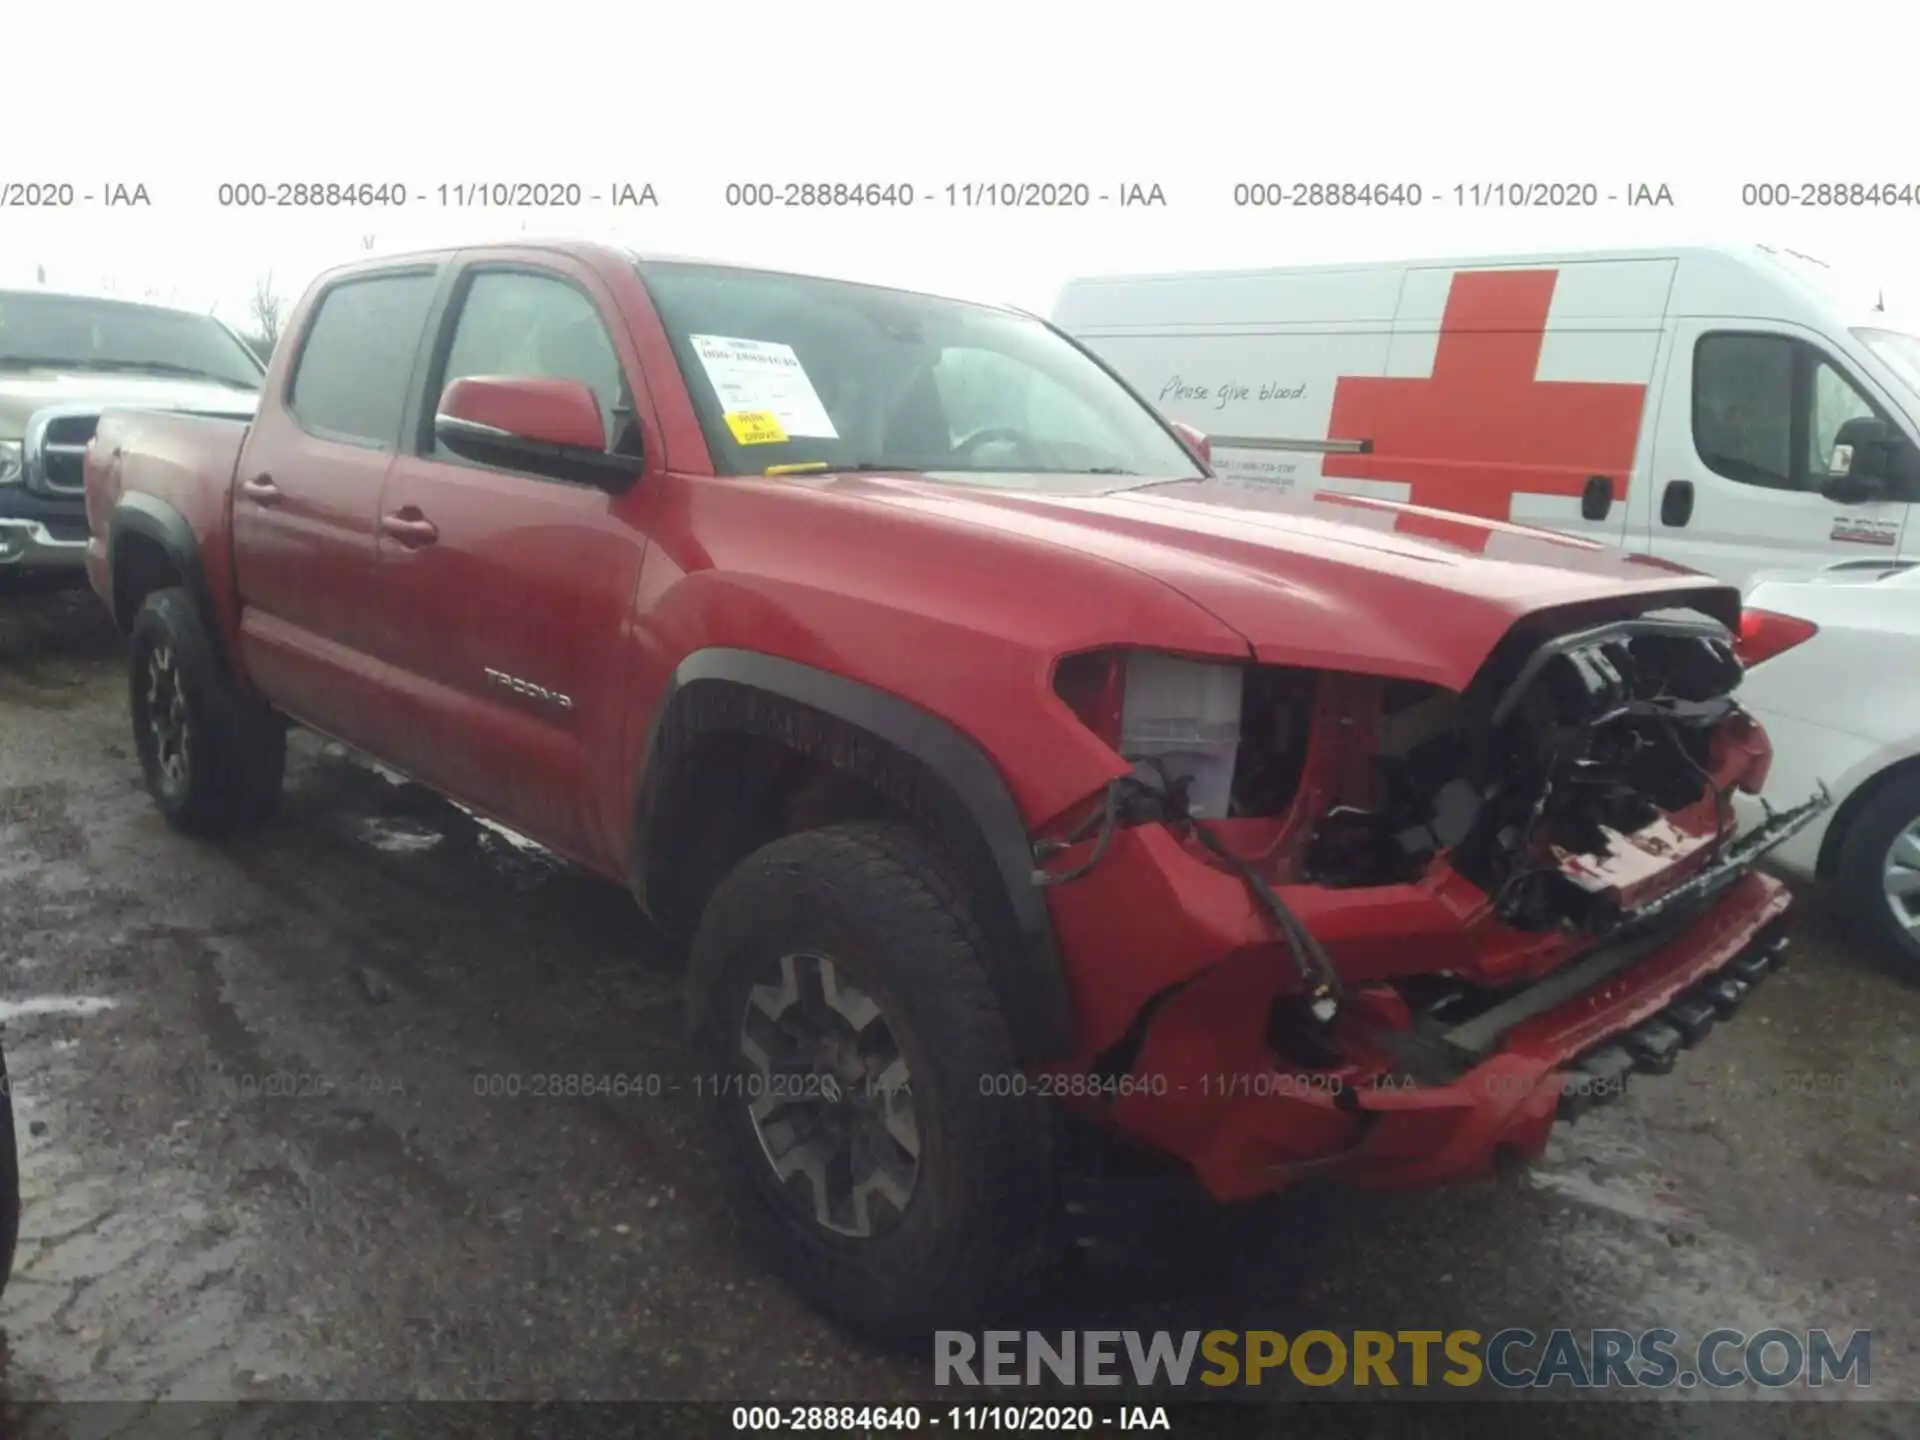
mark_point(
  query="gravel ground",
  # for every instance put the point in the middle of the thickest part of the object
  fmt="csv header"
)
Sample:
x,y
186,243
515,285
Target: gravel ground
x,y
388,1230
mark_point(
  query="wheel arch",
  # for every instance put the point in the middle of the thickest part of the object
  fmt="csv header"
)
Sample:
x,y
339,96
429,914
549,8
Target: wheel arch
x,y
723,703
1827,863
150,544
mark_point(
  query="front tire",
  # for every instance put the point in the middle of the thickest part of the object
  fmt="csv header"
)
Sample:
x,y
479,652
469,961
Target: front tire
x,y
1878,874
213,758
855,1050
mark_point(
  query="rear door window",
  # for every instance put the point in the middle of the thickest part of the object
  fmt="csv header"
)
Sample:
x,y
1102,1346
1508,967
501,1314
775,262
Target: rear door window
x,y
350,382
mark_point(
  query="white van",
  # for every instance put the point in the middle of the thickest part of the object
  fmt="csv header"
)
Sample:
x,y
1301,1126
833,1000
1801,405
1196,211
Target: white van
x,y
1684,403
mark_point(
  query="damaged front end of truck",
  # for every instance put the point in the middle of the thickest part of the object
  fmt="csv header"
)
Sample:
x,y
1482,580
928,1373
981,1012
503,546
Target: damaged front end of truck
x,y
1390,931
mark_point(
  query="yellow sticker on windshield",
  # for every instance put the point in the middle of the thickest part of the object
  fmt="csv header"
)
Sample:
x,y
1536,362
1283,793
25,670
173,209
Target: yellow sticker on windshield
x,y
755,427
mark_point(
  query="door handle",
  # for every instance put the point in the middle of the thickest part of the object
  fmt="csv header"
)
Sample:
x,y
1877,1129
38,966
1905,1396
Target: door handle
x,y
261,490
1596,498
1676,503
409,527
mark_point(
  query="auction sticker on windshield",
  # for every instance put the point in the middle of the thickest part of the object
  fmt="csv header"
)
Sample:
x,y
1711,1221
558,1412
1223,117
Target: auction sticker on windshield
x,y
755,427
764,375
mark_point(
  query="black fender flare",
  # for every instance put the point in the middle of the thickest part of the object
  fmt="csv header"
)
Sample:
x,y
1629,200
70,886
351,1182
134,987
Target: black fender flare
x,y
138,513
1032,981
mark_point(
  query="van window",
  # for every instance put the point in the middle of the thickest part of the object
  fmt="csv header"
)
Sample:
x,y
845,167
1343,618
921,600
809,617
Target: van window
x,y
1901,352
1835,402
351,379
1766,409
1743,407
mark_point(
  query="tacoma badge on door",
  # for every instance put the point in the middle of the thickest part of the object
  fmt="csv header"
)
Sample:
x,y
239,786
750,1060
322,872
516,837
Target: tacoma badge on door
x,y
528,688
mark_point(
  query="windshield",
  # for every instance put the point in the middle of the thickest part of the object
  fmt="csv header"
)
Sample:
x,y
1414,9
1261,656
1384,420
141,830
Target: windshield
x,y
1901,353
824,374
63,330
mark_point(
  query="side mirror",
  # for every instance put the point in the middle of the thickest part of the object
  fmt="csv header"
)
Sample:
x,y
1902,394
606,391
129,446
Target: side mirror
x,y
535,423
1196,442
1870,460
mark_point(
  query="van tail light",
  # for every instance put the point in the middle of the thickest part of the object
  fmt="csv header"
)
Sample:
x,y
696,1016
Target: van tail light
x,y
1095,689
1765,634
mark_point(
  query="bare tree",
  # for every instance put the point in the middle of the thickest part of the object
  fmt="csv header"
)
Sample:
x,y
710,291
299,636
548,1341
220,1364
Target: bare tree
x,y
267,309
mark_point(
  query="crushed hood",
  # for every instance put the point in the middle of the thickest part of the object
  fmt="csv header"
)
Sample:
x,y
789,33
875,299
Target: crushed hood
x,y
1332,582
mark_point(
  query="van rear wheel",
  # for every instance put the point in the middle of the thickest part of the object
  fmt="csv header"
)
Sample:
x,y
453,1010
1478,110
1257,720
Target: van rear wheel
x,y
853,1047
213,758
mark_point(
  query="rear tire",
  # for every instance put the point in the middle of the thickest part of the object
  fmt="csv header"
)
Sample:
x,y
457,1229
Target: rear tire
x,y
905,1195
213,758
1878,874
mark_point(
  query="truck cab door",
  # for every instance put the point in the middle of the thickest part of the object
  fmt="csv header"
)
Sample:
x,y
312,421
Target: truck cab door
x,y
1747,429
307,492
503,596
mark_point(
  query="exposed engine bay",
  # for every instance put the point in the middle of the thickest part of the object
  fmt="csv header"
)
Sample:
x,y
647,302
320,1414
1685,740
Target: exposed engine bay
x,y
1579,775
1564,754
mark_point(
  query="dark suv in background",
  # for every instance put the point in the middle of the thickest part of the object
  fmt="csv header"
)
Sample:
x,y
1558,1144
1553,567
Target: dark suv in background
x,y
65,358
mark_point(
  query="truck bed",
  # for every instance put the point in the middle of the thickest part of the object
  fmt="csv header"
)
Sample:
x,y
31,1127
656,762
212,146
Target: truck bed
x,y
179,463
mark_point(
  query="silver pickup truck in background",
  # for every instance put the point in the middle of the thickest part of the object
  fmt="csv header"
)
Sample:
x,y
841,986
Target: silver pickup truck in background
x,y
64,359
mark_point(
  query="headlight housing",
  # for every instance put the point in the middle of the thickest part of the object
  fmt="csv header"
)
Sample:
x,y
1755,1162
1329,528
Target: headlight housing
x,y
1180,715
10,462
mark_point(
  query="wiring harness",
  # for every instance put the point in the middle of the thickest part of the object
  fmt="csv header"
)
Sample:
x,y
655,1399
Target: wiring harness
x,y
1135,799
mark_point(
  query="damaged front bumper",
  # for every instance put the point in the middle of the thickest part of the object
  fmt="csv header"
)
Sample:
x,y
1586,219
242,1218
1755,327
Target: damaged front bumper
x,y
1734,860
1206,1080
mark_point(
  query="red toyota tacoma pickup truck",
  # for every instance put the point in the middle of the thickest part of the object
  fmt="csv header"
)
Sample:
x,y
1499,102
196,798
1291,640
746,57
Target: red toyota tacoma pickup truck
x,y
1009,778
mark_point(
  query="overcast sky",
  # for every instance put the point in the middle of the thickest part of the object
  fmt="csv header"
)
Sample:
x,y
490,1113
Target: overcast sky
x,y
1193,98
